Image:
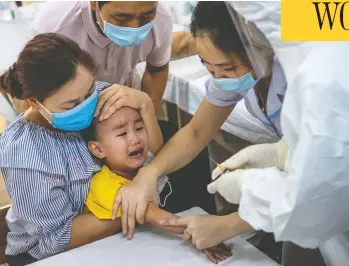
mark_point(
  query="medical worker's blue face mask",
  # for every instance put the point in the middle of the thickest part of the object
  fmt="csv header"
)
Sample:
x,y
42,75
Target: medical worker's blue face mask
x,y
238,85
126,36
77,118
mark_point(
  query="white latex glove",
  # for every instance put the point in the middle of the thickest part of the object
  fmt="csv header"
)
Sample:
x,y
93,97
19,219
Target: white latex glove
x,y
229,185
256,156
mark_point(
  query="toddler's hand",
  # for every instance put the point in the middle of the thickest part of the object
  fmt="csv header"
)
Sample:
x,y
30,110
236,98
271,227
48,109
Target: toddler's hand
x,y
218,253
133,200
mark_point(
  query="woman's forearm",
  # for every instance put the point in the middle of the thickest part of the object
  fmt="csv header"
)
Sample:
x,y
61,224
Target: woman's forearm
x,y
183,44
87,228
178,152
189,141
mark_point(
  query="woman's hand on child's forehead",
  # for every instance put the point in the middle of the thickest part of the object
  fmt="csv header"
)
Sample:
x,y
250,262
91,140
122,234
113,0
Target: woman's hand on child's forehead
x,y
106,101
117,96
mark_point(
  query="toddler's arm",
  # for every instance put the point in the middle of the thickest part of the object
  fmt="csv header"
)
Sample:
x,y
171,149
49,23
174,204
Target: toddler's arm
x,y
154,214
152,126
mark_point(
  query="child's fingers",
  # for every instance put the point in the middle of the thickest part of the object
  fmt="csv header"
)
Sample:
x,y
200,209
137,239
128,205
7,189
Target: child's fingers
x,y
210,256
222,249
219,256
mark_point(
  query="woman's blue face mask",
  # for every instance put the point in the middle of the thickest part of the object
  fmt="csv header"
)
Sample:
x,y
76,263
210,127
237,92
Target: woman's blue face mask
x,y
77,118
237,85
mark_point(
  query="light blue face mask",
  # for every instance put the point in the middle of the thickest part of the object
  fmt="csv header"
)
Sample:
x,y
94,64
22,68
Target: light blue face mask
x,y
238,85
125,36
78,118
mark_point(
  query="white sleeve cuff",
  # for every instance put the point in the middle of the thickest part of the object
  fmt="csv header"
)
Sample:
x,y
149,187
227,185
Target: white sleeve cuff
x,y
261,187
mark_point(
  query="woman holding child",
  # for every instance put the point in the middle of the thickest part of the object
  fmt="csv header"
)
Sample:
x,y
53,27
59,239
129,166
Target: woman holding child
x,y
48,192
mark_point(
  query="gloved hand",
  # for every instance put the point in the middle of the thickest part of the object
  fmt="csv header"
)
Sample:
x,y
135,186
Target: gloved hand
x,y
229,185
256,156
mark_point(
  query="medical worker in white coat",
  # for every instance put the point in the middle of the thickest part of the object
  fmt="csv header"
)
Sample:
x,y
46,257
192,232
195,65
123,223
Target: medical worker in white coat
x,y
307,203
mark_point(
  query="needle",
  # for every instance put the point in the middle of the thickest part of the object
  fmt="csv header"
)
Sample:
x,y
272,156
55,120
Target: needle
x,y
221,167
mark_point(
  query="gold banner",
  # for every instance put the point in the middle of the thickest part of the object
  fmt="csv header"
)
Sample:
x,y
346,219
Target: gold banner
x,y
304,20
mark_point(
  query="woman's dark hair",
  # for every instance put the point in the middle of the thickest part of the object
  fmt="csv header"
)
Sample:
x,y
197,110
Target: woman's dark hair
x,y
213,18
102,3
47,62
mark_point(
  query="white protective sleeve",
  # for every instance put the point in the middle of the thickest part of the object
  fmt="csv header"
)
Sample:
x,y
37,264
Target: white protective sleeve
x,y
308,204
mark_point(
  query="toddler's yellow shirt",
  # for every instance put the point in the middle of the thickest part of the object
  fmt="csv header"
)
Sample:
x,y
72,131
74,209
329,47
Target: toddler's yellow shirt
x,y
103,189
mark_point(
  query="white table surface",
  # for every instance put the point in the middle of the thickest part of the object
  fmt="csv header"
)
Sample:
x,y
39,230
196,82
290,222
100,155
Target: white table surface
x,y
154,248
